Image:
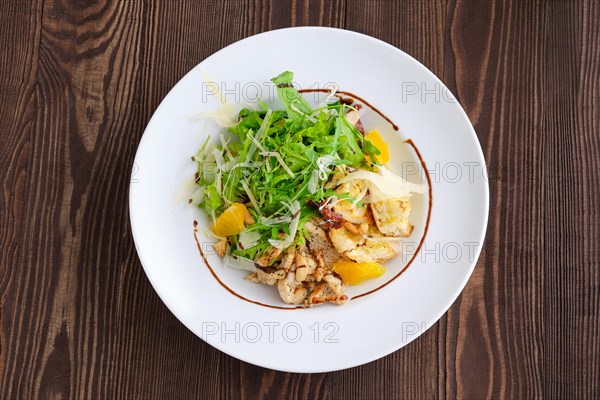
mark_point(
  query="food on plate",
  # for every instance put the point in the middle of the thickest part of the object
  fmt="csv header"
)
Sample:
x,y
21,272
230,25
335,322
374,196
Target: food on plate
x,y
231,221
300,197
354,273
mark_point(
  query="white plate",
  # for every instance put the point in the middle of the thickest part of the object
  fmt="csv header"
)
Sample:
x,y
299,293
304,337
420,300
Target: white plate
x,y
328,337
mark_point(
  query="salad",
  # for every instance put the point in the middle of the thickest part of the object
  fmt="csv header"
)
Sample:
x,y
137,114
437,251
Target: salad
x,y
301,198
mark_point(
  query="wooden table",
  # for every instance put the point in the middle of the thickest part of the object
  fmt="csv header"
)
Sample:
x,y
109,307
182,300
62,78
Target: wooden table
x,y
80,80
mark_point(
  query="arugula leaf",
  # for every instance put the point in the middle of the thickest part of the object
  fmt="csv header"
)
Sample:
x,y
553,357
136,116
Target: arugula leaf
x,y
213,203
349,138
294,103
370,150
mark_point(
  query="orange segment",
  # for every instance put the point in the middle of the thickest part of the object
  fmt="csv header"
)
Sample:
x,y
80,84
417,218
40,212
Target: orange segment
x,y
375,138
231,222
355,273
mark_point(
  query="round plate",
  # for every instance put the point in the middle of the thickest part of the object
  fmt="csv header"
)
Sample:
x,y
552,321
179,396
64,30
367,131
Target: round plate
x,y
216,303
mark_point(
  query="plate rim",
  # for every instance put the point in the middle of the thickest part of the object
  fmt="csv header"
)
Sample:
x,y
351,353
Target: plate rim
x,y
428,324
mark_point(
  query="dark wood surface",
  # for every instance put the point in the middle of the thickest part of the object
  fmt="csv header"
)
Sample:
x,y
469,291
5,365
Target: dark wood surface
x,y
80,80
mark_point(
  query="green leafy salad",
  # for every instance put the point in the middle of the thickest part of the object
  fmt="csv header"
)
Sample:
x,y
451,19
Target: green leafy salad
x,y
301,198
276,163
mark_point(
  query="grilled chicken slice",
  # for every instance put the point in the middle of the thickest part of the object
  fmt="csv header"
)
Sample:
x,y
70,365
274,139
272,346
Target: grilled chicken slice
x,y
290,290
266,276
324,294
319,242
268,257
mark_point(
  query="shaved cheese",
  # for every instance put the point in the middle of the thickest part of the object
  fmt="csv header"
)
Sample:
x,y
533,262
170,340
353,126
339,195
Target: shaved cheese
x,y
286,241
259,134
255,164
322,163
361,195
209,154
229,165
248,239
329,199
334,201
330,202
222,115
218,155
224,144
313,181
218,184
257,143
387,182
281,162
237,262
275,220
250,196
208,170
369,199
198,196
184,191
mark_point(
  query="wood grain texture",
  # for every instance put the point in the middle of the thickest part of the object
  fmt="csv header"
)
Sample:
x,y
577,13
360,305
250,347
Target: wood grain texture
x,y
79,80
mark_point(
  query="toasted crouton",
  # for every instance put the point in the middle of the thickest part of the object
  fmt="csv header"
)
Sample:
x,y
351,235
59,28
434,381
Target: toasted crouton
x,y
373,251
220,247
371,247
392,216
344,240
354,213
